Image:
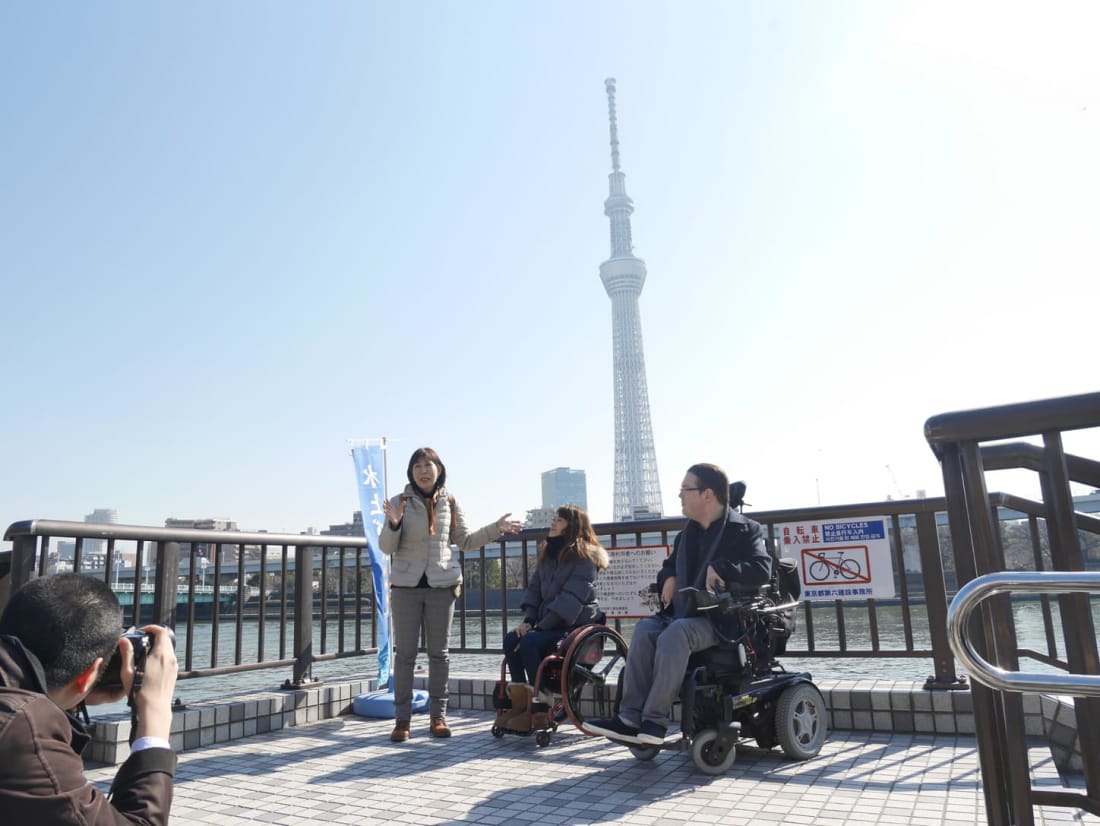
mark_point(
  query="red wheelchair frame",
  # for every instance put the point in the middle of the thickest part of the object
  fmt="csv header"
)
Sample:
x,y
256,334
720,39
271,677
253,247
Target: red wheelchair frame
x,y
586,661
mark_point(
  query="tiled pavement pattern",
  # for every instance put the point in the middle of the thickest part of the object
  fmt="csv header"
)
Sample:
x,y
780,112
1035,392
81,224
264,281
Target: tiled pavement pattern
x,y
345,770
865,705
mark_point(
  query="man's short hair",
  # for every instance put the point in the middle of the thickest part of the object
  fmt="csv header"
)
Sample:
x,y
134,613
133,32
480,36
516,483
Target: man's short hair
x,y
66,621
712,477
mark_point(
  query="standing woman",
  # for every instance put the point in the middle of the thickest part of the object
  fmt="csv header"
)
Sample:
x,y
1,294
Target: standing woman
x,y
560,596
422,523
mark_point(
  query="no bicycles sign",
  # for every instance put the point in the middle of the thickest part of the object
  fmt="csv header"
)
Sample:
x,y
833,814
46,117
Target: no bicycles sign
x,y
840,558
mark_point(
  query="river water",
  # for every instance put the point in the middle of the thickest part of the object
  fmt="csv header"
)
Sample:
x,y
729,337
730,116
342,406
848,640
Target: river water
x,y
1028,617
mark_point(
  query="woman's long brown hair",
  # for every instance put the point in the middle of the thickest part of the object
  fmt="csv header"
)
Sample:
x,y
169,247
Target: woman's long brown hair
x,y
580,538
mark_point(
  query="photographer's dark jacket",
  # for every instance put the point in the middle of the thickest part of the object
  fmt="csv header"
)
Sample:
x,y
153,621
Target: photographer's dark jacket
x,y
734,547
41,772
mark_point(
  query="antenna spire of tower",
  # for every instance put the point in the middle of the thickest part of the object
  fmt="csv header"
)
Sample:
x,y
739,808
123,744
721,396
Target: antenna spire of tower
x,y
637,486
610,85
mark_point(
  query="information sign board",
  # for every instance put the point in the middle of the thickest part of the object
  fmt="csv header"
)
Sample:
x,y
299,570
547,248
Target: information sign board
x,y
841,558
623,589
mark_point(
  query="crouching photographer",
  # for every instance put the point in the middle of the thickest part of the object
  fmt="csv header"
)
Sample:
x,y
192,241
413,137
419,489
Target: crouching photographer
x,y
57,635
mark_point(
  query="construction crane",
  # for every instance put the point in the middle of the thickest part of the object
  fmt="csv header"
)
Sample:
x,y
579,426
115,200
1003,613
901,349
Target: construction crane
x,y
897,487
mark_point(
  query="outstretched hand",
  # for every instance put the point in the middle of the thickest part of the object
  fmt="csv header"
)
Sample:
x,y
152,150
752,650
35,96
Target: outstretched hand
x,y
394,515
506,525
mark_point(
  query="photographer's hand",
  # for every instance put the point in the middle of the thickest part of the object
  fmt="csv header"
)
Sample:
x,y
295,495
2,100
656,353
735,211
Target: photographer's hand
x,y
154,700
100,694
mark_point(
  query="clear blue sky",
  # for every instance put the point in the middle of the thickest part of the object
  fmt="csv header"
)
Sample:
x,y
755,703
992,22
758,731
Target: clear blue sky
x,y
237,235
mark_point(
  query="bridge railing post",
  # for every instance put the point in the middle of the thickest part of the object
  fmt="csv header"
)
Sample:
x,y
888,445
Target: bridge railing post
x,y
303,619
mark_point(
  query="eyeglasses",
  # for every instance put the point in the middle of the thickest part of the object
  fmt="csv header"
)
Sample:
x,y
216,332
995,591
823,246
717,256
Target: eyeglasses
x,y
685,490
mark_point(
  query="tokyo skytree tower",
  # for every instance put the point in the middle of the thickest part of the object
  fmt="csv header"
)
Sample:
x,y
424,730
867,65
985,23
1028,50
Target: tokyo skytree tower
x,y
637,486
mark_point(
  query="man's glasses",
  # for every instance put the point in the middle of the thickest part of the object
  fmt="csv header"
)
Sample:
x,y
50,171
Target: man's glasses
x,y
685,490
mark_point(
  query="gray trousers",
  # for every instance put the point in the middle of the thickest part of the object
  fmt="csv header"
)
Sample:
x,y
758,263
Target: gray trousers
x,y
656,665
432,609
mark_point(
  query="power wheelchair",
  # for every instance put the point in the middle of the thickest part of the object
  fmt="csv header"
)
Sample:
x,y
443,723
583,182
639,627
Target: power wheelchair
x,y
738,691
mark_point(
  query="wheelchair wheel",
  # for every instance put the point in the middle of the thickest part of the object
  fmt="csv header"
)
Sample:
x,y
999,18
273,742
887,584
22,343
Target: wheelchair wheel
x,y
800,721
709,755
589,673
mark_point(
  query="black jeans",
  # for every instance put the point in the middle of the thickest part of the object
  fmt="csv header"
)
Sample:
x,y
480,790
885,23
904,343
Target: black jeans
x,y
523,654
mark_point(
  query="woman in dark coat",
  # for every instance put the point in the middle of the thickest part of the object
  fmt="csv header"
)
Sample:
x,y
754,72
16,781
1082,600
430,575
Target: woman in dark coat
x,y
561,594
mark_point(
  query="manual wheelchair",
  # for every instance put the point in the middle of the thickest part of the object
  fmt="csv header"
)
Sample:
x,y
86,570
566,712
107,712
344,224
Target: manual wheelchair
x,y
738,691
579,675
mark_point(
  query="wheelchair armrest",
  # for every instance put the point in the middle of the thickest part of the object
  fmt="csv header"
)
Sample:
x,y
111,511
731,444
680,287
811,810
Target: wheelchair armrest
x,y
724,602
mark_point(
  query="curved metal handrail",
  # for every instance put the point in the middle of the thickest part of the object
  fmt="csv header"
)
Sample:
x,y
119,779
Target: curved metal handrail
x,y
1042,582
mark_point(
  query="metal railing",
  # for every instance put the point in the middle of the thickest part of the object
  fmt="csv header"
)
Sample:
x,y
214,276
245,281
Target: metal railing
x,y
825,629
236,557
328,615
957,440
971,595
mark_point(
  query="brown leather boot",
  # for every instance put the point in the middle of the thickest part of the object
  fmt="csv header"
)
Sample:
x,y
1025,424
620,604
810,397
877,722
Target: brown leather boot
x,y
400,732
540,716
520,717
439,727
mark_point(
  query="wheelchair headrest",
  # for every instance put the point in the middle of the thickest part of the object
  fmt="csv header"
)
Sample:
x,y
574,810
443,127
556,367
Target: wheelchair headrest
x,y
737,494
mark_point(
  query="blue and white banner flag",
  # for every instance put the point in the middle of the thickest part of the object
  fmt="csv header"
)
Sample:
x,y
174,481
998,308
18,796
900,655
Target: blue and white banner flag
x,y
370,475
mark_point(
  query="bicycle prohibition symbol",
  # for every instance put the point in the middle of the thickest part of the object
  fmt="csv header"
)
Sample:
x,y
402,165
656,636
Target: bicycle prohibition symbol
x,y
834,565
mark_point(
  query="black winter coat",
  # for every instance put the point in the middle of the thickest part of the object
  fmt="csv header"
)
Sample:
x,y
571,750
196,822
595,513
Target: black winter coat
x,y
735,549
561,594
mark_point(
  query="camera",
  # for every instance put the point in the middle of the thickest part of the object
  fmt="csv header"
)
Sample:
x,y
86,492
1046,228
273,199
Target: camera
x,y
142,641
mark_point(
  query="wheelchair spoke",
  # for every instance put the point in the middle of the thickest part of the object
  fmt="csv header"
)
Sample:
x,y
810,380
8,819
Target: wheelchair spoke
x,y
590,668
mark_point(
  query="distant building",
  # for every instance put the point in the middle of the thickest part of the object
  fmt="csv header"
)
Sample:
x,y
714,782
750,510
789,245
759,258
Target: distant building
x,y
564,486
100,516
352,528
66,550
66,554
204,549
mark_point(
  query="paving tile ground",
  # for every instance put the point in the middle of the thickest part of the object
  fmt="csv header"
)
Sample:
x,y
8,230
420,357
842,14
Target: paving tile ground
x,y
347,771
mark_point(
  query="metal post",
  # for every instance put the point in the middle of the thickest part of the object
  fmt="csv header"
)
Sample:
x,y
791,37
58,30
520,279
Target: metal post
x,y
1077,625
985,712
935,593
164,589
303,619
22,559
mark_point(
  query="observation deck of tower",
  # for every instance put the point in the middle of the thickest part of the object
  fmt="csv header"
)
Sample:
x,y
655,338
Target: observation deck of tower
x,y
637,485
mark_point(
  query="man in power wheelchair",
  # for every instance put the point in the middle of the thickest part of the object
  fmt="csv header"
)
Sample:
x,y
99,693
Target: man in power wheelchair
x,y
723,619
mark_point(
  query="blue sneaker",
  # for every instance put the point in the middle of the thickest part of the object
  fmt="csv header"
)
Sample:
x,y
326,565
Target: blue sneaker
x,y
613,728
652,734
